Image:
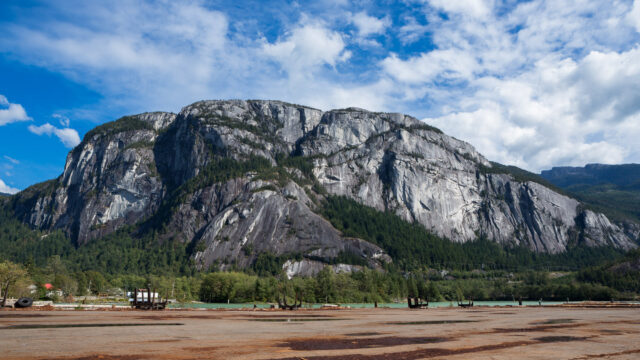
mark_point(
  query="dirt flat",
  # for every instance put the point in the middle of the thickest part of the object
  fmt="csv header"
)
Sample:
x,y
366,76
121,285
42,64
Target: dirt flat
x,y
358,334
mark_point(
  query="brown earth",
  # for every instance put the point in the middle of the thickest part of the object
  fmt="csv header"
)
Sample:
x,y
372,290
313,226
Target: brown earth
x,y
358,334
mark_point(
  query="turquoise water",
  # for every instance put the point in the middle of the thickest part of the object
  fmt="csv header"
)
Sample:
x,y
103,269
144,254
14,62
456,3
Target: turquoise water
x,y
362,305
354,306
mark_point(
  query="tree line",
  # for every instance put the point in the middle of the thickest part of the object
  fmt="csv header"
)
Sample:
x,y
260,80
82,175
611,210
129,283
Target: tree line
x,y
365,286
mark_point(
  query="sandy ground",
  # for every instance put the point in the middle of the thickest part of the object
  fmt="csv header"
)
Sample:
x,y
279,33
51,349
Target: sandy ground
x,y
445,333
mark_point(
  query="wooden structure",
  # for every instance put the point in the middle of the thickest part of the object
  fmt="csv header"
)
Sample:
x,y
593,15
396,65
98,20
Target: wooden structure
x,y
144,299
414,303
468,304
297,302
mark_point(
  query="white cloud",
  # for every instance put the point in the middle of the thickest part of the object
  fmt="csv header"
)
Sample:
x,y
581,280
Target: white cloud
x,y
144,48
562,112
64,121
450,64
548,83
12,160
4,188
148,56
535,83
10,113
68,137
634,15
412,31
369,25
138,54
306,47
472,8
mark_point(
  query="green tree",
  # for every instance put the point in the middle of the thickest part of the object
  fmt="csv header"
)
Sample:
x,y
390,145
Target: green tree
x,y
325,290
412,287
458,293
66,283
433,293
96,282
231,286
10,273
56,267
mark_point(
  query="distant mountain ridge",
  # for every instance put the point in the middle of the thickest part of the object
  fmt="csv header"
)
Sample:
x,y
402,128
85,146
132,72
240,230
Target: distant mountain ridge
x,y
612,189
235,179
625,175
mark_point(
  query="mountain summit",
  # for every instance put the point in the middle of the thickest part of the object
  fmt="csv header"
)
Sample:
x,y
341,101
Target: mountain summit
x,y
238,178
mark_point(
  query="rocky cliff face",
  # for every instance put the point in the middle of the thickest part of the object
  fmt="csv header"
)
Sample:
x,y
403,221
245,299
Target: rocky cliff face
x,y
391,161
109,180
240,178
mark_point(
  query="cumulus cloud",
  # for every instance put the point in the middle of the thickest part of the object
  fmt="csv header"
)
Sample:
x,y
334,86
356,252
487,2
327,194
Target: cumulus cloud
x,y
164,55
533,91
411,31
306,47
309,55
634,15
449,64
10,113
4,188
471,8
138,54
369,25
535,83
145,48
68,137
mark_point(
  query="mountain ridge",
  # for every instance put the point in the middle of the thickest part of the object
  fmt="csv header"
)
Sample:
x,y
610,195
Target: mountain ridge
x,y
234,179
611,189
594,174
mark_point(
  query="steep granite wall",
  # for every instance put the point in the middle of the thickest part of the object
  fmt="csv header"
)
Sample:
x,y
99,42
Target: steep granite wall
x,y
239,178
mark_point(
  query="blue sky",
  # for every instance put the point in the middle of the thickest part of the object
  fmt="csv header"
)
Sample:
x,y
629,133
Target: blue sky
x,y
530,83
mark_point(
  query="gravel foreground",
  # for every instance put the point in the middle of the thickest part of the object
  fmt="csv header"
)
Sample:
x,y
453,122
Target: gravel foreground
x,y
356,334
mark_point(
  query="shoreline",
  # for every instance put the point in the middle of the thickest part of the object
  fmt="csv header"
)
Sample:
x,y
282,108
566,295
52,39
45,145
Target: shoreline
x,y
249,307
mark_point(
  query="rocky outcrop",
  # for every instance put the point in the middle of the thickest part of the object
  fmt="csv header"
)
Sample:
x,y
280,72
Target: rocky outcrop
x,y
397,163
239,178
244,217
596,226
109,180
306,267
